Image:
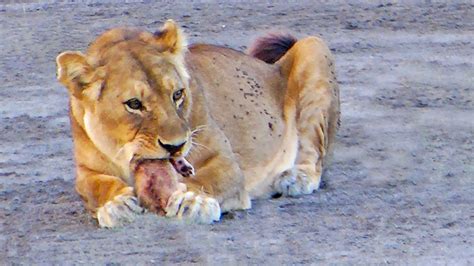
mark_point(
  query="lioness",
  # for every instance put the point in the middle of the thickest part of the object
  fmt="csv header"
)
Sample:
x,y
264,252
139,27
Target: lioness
x,y
250,129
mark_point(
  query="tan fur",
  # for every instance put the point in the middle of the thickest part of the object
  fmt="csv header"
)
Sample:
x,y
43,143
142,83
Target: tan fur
x,y
250,127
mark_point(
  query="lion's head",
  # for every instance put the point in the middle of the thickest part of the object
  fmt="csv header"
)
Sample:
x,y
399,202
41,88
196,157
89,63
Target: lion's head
x,y
131,94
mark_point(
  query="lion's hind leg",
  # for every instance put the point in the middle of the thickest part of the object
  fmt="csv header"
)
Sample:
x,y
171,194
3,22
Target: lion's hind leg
x,y
311,81
305,176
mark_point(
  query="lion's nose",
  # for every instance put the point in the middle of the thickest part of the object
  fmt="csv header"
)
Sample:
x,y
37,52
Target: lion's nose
x,y
172,149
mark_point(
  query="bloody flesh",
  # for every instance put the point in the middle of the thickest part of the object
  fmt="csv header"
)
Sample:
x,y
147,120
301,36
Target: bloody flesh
x,y
155,181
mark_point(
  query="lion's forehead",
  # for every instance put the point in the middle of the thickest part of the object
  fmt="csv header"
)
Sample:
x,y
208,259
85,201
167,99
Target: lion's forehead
x,y
120,60
130,73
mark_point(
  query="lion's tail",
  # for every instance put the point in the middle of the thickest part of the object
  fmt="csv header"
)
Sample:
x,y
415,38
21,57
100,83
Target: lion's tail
x,y
272,47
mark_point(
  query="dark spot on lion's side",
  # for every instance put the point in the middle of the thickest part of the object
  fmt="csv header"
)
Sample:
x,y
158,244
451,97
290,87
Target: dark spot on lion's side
x,y
247,94
270,126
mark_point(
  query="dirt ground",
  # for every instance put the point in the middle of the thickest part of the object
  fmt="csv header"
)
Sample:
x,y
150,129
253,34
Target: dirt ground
x,y
401,185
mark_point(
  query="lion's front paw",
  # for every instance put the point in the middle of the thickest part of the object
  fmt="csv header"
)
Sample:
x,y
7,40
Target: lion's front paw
x,y
121,210
193,207
296,182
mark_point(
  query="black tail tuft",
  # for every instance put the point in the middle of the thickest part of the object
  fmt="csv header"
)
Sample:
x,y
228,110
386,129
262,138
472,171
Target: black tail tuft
x,y
271,47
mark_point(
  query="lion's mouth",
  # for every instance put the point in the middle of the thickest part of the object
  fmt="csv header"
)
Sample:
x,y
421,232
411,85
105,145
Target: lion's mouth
x,y
180,165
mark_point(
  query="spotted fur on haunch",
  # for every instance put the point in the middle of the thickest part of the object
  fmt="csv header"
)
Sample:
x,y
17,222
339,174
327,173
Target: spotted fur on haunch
x,y
272,47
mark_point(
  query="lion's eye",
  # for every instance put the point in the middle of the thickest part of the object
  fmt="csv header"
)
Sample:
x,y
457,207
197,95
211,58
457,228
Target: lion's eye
x,y
177,95
134,104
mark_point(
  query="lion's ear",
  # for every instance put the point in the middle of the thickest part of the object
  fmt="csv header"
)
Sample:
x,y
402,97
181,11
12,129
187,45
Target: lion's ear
x,y
74,72
170,38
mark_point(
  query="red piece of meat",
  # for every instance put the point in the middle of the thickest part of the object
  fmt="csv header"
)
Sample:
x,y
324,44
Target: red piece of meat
x,y
155,181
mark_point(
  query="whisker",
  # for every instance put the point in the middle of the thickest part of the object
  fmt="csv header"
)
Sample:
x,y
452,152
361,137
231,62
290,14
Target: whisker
x,y
198,129
201,126
118,153
195,151
200,145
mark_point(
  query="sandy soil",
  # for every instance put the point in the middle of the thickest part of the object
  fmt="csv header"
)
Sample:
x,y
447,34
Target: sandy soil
x,y
400,189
